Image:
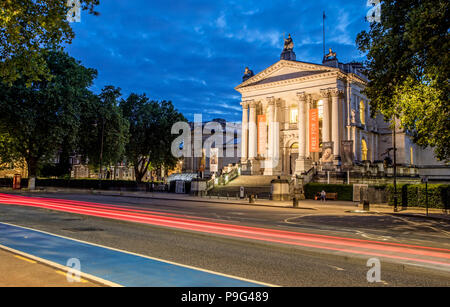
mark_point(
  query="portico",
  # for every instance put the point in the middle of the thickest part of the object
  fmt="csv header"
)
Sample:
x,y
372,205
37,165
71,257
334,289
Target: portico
x,y
293,109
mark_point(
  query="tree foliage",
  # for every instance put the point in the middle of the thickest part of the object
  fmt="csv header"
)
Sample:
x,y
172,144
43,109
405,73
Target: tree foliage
x,y
150,133
101,117
408,68
38,119
27,26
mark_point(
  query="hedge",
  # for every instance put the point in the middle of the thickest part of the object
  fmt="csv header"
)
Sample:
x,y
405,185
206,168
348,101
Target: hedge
x,y
344,191
413,195
80,183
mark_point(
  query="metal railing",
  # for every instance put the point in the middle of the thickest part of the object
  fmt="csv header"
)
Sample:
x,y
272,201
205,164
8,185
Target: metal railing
x,y
224,178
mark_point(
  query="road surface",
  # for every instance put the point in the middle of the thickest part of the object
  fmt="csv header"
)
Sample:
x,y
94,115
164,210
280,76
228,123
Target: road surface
x,y
274,246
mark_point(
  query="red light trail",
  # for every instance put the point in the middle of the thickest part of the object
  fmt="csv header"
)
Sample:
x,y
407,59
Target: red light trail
x,y
414,253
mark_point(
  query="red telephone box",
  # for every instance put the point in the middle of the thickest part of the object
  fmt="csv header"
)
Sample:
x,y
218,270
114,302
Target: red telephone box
x,y
16,182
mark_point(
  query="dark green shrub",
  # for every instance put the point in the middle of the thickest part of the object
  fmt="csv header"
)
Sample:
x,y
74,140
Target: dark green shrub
x,y
413,195
80,184
344,191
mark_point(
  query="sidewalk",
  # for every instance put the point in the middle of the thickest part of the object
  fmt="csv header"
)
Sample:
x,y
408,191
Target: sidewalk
x,y
316,207
19,271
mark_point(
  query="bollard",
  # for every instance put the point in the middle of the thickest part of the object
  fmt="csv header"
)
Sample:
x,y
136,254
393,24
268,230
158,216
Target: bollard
x,y
366,206
251,199
295,202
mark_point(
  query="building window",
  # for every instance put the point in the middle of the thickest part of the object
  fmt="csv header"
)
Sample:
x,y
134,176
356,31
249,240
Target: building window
x,y
364,150
320,107
362,112
294,116
411,155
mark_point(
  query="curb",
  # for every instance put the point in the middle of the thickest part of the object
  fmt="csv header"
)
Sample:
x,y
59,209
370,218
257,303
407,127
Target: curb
x,y
437,218
174,199
51,264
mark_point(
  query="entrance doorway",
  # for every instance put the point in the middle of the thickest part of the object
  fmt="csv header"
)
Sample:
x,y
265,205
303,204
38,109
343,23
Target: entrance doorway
x,y
293,156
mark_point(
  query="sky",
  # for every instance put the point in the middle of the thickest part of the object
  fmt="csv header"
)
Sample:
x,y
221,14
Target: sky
x,y
194,52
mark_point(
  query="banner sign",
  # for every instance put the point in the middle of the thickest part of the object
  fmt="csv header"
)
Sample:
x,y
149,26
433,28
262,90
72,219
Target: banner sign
x,y
314,130
214,160
262,134
347,155
327,155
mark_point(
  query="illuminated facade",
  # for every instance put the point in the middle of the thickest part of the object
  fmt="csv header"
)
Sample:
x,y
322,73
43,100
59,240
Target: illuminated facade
x,y
292,109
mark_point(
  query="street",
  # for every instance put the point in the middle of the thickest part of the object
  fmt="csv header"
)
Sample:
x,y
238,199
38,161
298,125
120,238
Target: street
x,y
286,247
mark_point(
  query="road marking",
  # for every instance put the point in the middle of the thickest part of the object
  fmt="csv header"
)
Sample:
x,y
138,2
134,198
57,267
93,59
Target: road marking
x,y
422,225
336,268
25,259
394,251
373,237
288,220
65,275
59,266
160,268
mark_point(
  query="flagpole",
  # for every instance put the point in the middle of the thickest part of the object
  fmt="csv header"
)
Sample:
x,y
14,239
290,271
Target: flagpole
x,y
323,23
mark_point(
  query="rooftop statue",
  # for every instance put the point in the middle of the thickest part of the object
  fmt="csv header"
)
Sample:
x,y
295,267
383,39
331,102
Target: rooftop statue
x,y
288,50
331,55
288,43
247,74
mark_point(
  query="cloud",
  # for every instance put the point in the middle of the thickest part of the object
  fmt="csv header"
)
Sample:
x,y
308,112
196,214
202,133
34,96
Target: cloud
x,y
193,52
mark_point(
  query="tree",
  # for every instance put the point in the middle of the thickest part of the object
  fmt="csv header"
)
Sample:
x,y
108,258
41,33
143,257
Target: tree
x,y
150,133
26,26
37,119
102,122
408,68
7,156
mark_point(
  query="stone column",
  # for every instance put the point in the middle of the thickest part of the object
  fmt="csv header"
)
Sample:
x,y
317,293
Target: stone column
x,y
349,110
276,139
335,94
244,132
326,116
252,132
302,164
286,116
268,165
308,108
271,119
301,125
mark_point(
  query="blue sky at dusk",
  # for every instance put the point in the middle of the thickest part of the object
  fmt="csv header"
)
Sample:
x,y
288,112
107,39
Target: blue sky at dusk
x,y
194,52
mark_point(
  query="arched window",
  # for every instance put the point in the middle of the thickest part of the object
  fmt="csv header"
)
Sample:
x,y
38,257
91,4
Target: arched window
x,y
364,150
320,107
362,112
294,116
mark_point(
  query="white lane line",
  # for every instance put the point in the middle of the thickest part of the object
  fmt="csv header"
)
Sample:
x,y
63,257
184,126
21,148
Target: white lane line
x,y
336,268
373,237
57,265
144,256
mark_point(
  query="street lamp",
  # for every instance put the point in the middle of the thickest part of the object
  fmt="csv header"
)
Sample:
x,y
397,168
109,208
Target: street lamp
x,y
395,167
101,152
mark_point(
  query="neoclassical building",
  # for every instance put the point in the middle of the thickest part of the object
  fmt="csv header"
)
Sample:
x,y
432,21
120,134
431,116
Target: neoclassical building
x,y
297,114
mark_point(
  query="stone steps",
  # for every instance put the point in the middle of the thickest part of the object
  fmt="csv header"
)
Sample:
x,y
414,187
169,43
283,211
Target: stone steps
x,y
254,181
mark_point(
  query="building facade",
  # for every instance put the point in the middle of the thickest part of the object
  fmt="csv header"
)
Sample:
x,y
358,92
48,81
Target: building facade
x,y
296,115
228,153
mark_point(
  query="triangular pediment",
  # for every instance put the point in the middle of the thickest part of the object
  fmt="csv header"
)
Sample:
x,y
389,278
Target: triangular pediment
x,y
286,70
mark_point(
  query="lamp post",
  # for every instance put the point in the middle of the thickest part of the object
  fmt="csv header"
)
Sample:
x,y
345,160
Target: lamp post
x,y
395,167
101,153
